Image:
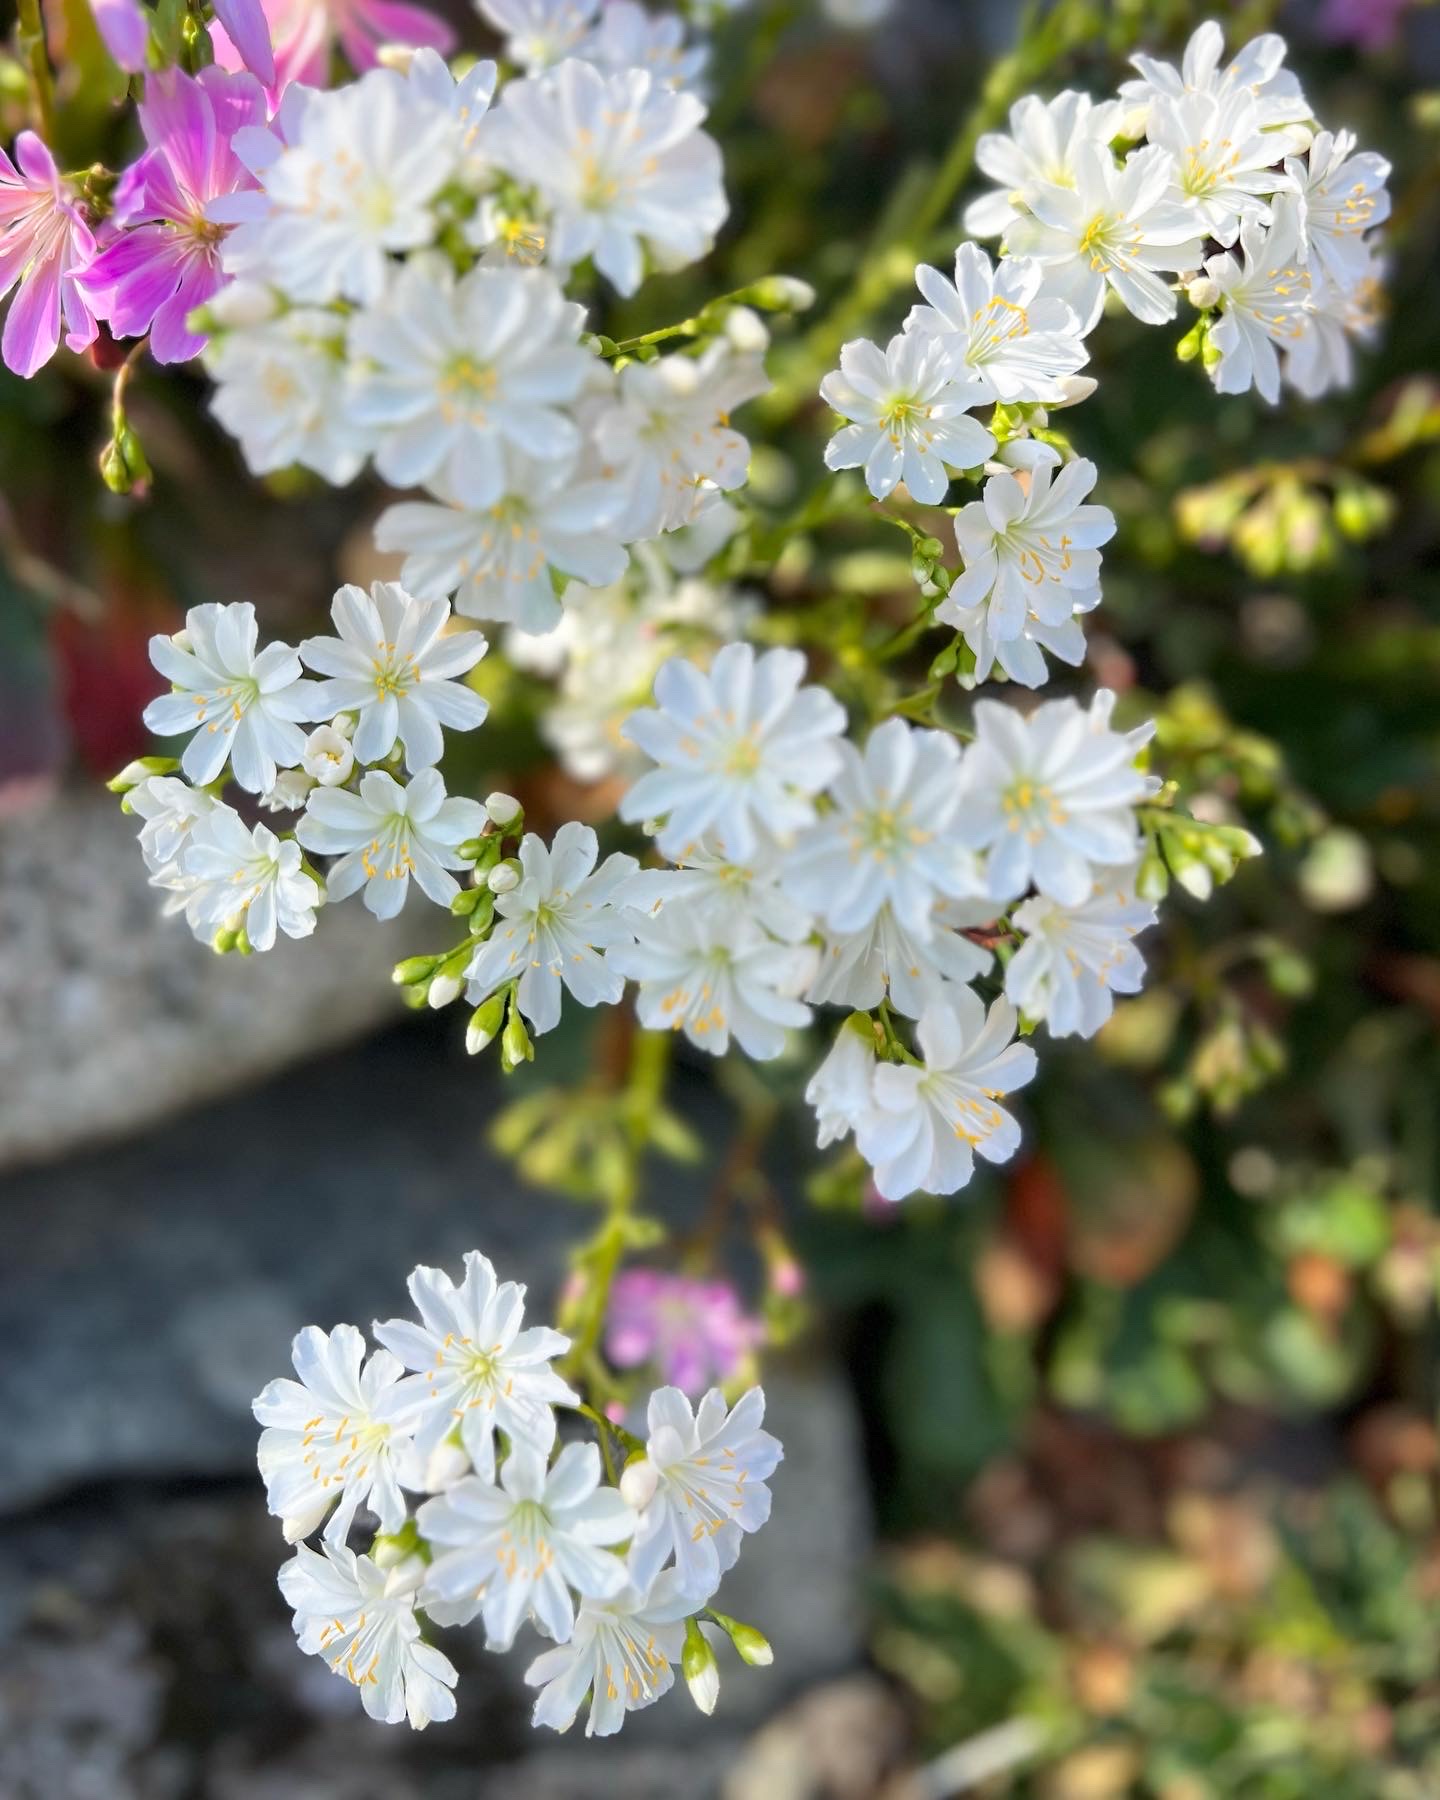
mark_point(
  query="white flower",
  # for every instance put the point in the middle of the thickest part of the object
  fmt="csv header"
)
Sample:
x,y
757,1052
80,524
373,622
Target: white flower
x,y
1021,657
667,435
1113,229
241,703
1341,195
362,1622
708,881
885,961
339,1437
628,37
540,32
1040,148
714,978
1031,551
1051,796
499,561
621,1654
329,757
711,1464
1076,959
909,411
282,391
461,371
288,793
395,665
1265,306
841,1090
239,877
479,1370
550,926
741,749
1017,346
888,838
1224,162
1257,70
621,163
467,100
171,810
1322,359
928,1123
347,179
386,833
519,1547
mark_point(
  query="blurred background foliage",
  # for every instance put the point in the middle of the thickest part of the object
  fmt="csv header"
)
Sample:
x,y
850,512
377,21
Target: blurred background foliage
x,y
1152,1414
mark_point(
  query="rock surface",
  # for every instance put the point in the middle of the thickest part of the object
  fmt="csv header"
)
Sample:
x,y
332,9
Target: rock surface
x,y
111,1015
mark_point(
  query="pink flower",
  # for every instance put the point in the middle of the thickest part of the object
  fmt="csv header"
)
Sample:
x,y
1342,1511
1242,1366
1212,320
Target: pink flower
x,y
1373,24
166,259
44,243
694,1331
304,31
123,27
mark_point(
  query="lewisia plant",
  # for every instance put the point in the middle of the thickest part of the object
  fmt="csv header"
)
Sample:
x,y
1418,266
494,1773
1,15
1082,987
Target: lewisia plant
x,y
817,852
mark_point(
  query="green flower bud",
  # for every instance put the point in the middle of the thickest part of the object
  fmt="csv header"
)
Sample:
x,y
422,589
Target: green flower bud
x,y
413,970
752,1646
142,769
701,1671
485,1021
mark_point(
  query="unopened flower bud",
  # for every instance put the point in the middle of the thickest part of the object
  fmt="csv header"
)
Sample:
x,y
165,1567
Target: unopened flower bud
x,y
484,1023
638,1482
504,878
783,293
288,791
1203,293
1073,389
701,1670
515,1045
327,757
751,1645
448,1463
142,769
504,809
406,1575
414,969
443,990
746,331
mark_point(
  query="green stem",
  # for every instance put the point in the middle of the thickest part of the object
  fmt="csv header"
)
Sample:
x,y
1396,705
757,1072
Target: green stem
x,y
30,40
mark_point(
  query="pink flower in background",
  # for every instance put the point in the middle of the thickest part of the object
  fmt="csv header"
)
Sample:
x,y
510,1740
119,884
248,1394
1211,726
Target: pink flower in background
x,y
693,1331
247,29
304,32
1373,24
166,260
44,243
125,31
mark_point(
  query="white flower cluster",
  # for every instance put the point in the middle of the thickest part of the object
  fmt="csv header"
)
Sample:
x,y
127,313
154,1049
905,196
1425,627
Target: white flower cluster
x,y
460,1406
399,298
1233,197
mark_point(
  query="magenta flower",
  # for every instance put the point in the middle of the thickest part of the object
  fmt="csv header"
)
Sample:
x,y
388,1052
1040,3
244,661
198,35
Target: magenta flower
x,y
166,259
693,1331
44,243
125,31
1372,24
304,32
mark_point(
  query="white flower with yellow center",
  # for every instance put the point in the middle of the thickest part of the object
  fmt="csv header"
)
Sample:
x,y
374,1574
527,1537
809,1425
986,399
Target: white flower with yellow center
x,y
741,749
930,1121
1075,959
885,961
361,1621
171,810
1224,159
386,833
238,877
1113,230
346,178
340,1437
887,840
706,880
479,1373
281,392
909,412
1340,196
715,977
1018,345
457,374
241,702
1051,797
621,164
549,928
395,665
621,1656
517,1548
1256,69
1266,306
500,561
705,1468
1040,147
1031,549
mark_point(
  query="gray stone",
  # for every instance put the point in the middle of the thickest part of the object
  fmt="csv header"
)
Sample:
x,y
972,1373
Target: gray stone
x,y
112,1015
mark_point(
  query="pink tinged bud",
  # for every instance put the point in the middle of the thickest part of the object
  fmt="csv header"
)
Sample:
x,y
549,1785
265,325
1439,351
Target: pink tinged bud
x,y
615,1411
787,1278
248,30
123,27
